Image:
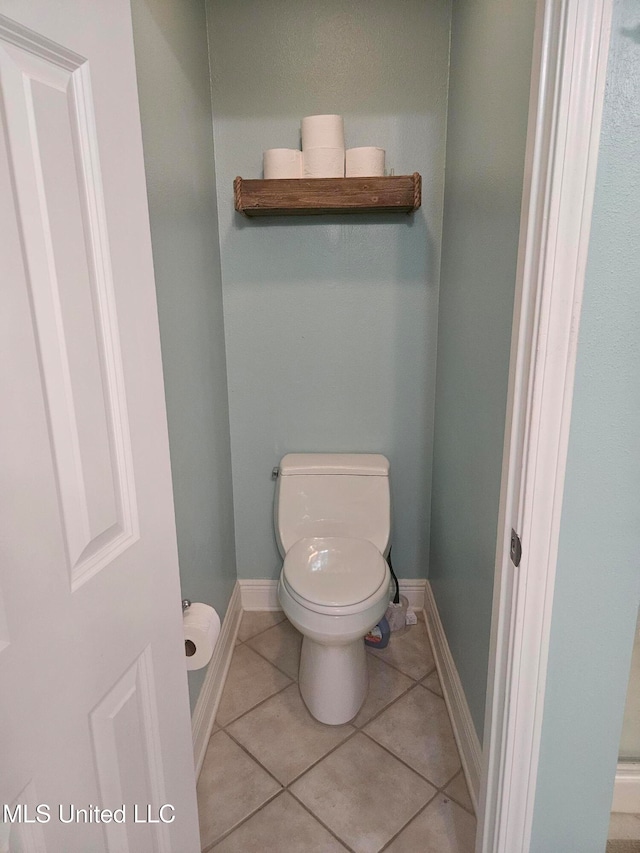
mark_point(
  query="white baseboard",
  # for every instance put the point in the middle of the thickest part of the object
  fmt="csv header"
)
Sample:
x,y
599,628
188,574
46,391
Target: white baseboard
x,y
204,713
626,791
413,590
262,594
463,728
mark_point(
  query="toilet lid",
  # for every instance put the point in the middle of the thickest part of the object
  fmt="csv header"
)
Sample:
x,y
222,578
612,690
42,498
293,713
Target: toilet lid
x,y
334,571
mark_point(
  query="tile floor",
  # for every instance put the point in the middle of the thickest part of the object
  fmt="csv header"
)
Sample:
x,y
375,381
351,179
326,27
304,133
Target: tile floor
x,y
274,779
624,833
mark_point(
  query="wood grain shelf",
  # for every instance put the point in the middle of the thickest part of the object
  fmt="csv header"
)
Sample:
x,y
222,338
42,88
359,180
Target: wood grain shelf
x,y
316,196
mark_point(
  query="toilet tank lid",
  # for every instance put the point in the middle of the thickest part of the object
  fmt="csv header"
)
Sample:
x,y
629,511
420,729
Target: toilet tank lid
x,y
363,464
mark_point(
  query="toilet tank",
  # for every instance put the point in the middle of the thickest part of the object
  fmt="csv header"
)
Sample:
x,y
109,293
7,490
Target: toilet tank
x,y
333,494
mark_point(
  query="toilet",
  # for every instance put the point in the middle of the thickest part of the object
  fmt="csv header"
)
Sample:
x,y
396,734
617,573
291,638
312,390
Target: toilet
x,y
333,524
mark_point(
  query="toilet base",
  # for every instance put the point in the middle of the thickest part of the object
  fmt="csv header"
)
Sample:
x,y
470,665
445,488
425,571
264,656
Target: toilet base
x,y
333,680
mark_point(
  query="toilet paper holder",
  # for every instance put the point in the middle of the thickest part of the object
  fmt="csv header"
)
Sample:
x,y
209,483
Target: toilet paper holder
x,y
201,629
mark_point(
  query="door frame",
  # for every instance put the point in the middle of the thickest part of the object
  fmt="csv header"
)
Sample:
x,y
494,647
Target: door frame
x,y
570,53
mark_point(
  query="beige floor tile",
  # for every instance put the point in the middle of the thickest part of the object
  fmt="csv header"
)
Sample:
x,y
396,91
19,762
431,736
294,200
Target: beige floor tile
x,y
618,846
443,827
417,729
385,685
363,794
250,680
282,826
280,645
433,683
255,621
284,737
231,786
410,652
458,789
625,827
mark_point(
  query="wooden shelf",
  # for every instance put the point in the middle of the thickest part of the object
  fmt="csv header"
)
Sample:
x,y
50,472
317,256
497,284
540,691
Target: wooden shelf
x,y
316,196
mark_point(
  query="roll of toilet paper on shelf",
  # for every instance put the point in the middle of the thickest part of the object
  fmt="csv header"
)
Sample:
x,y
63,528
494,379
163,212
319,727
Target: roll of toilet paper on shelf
x,y
364,162
282,163
323,163
322,132
201,626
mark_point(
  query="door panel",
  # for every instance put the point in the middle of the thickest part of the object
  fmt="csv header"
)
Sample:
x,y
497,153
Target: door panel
x,y
94,712
48,104
128,752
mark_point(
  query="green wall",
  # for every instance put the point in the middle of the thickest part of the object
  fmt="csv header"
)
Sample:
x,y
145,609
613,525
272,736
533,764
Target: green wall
x,y
598,579
175,105
491,50
330,322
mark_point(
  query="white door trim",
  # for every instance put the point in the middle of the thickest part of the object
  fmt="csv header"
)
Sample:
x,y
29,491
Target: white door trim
x,y
567,94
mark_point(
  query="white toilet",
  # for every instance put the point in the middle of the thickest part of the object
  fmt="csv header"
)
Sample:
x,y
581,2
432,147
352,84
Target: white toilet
x,y
333,523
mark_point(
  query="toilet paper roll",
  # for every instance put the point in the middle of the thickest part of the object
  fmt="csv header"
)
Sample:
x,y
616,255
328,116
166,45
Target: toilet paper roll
x,y
323,163
201,626
282,163
322,132
364,162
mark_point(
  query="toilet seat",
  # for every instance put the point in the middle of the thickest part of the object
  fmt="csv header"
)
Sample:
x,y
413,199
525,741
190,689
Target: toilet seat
x,y
335,575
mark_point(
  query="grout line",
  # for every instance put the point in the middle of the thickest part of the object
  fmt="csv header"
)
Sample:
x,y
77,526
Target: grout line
x,y
431,671
439,790
322,758
382,710
402,829
406,674
417,680
432,691
397,668
451,797
316,818
228,832
438,696
366,723
274,665
333,749
428,675
263,630
453,800
356,729
454,775
352,734
253,707
302,772
256,760
401,760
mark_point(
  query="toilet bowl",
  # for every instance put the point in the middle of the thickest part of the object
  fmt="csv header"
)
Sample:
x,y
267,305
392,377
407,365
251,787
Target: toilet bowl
x,y
322,595
335,582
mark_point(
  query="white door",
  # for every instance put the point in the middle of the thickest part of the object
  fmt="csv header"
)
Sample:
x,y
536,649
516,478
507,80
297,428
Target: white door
x,y
93,710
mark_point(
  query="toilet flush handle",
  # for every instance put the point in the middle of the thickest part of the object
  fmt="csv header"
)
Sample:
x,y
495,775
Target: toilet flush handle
x,y
275,473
